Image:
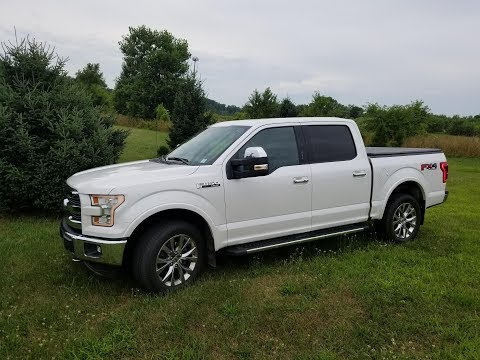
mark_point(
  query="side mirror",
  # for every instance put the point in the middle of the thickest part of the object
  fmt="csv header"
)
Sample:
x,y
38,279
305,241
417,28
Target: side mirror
x,y
255,152
254,163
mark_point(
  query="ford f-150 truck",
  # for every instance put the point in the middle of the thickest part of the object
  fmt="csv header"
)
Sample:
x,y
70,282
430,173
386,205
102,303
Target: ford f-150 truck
x,y
243,187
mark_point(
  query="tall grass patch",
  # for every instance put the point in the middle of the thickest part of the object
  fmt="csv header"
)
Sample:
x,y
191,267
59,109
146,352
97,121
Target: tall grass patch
x,y
460,146
139,123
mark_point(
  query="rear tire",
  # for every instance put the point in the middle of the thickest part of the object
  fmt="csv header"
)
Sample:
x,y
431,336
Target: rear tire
x,y
169,256
402,218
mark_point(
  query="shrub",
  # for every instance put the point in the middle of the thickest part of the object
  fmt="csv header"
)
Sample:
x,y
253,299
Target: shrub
x,y
162,114
163,150
49,128
462,127
392,125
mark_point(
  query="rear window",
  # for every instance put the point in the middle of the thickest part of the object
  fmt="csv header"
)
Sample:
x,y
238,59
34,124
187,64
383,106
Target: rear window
x,y
327,143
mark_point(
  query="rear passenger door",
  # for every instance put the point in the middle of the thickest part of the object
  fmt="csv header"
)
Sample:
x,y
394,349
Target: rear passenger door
x,y
340,176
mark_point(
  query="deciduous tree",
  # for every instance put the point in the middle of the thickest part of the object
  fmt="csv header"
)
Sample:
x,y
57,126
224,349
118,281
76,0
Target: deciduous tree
x,y
92,78
324,106
153,64
392,125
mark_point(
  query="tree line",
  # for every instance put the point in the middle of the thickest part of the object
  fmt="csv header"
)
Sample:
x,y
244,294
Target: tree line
x,y
53,125
387,125
156,78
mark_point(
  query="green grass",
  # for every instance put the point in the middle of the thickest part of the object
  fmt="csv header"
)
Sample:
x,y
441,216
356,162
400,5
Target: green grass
x,y
346,298
142,144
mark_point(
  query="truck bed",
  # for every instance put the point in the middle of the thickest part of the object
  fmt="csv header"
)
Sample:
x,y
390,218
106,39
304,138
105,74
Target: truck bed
x,y
376,152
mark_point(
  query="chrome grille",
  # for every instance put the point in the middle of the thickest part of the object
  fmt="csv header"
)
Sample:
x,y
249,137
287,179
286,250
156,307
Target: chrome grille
x,y
73,209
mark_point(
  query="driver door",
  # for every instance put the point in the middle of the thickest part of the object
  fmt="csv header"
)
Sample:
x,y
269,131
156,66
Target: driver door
x,y
274,204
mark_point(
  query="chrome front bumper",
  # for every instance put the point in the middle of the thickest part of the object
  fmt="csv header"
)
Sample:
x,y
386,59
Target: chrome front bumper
x,y
88,248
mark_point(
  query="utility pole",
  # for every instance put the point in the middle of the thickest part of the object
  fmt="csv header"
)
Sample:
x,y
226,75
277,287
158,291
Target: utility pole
x,y
195,59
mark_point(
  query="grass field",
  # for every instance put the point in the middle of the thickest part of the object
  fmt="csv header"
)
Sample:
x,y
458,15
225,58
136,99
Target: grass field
x,y
347,298
142,144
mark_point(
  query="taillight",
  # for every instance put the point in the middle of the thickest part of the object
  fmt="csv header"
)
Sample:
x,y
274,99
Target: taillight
x,y
444,167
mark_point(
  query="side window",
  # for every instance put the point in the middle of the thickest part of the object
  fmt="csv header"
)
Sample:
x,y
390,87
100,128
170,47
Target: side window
x,y
279,143
327,143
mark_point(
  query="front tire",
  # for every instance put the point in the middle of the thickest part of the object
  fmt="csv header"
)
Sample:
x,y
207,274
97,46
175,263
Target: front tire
x,y
402,218
169,256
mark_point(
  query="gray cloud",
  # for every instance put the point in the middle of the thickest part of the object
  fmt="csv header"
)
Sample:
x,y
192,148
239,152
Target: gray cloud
x,y
356,51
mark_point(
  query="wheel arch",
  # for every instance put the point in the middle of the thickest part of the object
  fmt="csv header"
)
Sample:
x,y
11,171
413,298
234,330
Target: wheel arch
x,y
412,188
172,214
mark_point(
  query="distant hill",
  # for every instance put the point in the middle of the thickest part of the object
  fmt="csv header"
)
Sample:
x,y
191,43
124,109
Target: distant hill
x,y
221,109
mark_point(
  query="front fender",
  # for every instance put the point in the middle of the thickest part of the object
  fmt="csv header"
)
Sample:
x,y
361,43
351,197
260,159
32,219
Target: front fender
x,y
169,200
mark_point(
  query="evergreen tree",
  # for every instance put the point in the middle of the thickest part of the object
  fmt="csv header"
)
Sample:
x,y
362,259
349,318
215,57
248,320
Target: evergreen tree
x,y
154,63
262,105
49,128
189,111
287,108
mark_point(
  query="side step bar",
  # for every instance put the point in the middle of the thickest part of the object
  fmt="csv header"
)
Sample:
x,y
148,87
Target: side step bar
x,y
262,245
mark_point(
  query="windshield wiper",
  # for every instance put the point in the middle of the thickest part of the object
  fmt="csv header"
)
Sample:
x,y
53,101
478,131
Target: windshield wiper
x,y
182,160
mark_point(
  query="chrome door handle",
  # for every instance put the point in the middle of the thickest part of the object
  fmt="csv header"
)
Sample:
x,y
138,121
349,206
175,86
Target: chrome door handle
x,y
300,180
359,173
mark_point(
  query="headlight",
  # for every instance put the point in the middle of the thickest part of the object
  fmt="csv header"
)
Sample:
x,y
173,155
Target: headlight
x,y
108,204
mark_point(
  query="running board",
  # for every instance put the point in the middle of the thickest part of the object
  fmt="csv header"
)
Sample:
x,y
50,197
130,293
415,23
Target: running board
x,y
262,245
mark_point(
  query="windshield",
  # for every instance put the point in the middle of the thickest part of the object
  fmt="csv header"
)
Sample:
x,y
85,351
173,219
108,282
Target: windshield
x,y
207,146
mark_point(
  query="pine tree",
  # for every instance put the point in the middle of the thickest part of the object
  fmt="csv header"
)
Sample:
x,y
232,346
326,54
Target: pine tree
x,y
189,115
287,108
49,128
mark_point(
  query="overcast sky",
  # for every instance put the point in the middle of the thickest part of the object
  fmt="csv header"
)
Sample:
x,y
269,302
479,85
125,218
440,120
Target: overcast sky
x,y
384,51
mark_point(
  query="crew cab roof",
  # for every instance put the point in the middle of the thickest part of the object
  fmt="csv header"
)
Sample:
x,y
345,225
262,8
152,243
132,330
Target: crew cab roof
x,y
260,122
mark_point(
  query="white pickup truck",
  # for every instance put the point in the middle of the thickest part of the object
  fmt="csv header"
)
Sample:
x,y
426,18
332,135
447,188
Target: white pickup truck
x,y
242,187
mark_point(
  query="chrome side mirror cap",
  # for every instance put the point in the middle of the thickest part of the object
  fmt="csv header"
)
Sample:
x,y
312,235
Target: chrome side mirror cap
x,y
255,152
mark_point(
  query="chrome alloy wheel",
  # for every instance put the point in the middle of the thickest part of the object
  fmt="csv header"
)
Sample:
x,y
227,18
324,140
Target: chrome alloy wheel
x,y
177,260
404,221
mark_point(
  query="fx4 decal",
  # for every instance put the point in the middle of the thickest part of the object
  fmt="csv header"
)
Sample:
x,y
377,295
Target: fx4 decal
x,y
428,166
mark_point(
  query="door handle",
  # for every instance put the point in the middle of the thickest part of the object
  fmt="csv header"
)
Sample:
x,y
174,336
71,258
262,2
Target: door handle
x,y
300,180
359,173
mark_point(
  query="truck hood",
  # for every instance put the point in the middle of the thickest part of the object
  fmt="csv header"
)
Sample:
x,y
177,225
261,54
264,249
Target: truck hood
x,y
103,180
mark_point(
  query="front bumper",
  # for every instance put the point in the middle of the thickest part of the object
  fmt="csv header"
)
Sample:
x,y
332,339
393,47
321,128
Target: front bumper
x,y
93,249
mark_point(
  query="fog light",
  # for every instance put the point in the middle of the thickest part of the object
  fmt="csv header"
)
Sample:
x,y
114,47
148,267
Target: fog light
x,y
92,250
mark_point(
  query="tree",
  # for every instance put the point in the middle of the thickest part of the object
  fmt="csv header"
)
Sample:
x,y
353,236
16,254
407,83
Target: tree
x,y
49,128
189,115
154,63
92,78
354,112
262,105
162,114
462,127
437,123
392,125
220,108
287,108
325,106
91,75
